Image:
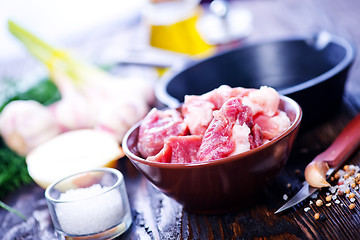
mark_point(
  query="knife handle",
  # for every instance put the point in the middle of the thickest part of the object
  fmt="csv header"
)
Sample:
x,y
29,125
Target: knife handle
x,y
343,146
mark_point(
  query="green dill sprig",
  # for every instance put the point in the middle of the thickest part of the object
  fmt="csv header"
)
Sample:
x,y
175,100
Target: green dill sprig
x,y
13,171
12,210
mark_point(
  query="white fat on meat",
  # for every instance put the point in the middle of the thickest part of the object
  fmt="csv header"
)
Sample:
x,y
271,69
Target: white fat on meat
x,y
197,114
265,100
273,126
240,136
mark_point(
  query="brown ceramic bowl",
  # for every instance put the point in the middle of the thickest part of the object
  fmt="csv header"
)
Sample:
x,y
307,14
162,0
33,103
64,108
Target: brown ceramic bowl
x,y
219,185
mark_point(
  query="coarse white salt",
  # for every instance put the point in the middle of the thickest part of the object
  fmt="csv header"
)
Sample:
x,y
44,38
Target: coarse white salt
x,y
334,197
89,210
285,197
352,199
343,188
307,209
314,195
356,168
333,189
337,201
311,202
349,180
82,193
341,172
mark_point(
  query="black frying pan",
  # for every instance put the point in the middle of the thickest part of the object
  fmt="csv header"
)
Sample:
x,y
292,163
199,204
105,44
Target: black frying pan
x,y
310,71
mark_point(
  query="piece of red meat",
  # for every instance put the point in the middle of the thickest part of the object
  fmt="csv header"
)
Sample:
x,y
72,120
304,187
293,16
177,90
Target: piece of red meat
x,y
223,93
265,101
197,114
197,110
217,141
274,126
256,137
178,149
156,127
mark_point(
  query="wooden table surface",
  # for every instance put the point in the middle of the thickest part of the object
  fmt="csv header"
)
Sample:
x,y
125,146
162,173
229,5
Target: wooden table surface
x,y
156,216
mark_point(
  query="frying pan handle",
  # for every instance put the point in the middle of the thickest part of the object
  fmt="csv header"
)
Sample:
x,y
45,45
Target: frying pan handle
x,y
343,146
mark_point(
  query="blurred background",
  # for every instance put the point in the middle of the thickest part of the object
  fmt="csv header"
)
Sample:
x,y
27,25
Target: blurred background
x,y
62,21
111,31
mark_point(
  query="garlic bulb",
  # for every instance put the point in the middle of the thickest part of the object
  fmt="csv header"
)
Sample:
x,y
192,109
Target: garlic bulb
x,y
90,97
26,124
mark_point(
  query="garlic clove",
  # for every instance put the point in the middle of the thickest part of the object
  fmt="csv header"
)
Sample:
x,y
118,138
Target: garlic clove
x,y
315,174
118,117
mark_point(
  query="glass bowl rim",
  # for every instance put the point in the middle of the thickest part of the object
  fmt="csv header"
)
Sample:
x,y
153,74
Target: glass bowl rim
x,y
117,173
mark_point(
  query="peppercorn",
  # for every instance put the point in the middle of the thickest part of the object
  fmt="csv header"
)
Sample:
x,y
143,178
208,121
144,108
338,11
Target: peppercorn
x,y
317,216
352,206
328,198
347,175
319,202
357,178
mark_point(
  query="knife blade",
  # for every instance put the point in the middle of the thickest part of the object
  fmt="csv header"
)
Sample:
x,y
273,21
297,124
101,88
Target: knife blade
x,y
339,151
305,192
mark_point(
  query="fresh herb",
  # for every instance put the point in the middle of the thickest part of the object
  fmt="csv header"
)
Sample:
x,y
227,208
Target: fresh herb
x,y
12,210
44,92
13,171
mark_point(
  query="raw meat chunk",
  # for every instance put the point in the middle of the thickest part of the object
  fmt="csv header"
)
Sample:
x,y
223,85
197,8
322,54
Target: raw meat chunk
x,y
179,149
197,110
256,137
156,127
217,124
218,141
265,100
220,95
272,126
197,114
240,135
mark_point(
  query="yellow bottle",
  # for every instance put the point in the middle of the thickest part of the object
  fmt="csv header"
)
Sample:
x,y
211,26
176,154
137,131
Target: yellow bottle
x,y
173,27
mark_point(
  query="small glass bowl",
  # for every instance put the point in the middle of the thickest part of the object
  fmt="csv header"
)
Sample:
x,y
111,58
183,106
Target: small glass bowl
x,y
89,205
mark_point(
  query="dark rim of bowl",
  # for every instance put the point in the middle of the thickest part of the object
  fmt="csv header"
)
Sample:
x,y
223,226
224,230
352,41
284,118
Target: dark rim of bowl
x,y
165,98
293,126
